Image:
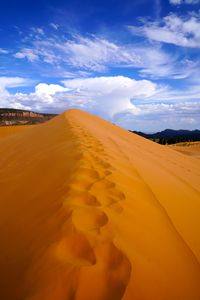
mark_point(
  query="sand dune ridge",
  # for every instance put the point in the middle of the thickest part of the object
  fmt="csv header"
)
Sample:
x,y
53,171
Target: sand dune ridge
x,y
110,215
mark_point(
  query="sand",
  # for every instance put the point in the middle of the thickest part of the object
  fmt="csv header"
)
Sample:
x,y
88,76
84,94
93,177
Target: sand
x,y
188,148
6,131
91,211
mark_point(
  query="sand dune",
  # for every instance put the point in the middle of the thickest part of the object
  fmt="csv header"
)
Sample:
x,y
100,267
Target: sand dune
x,y
6,131
188,148
91,211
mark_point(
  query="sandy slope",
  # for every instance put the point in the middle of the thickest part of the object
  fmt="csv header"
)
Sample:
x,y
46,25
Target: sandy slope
x,y
188,148
91,211
6,131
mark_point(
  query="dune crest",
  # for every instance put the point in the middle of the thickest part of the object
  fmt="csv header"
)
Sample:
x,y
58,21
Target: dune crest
x,y
91,211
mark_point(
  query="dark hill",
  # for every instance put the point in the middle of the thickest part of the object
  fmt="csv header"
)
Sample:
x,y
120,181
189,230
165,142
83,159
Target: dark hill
x,y
170,136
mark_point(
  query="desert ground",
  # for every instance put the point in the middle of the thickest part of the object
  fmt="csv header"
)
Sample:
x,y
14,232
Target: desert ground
x,y
6,131
188,148
89,210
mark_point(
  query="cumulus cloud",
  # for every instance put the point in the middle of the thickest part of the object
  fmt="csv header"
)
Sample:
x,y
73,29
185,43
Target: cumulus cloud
x,y
6,99
134,104
45,97
49,89
178,2
45,91
173,29
106,96
111,95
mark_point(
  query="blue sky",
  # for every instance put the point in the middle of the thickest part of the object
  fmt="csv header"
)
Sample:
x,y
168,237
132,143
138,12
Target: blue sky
x,y
135,63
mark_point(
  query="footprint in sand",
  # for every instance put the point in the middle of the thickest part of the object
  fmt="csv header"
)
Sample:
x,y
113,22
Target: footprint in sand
x,y
110,275
79,197
85,178
114,205
89,218
74,249
103,163
109,195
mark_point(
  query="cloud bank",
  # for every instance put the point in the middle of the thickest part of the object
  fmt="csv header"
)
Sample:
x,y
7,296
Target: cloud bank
x,y
134,104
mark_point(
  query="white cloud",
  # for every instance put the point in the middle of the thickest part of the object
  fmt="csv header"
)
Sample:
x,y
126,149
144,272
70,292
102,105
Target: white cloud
x,y
175,2
37,30
99,55
49,89
29,54
45,91
178,2
155,117
172,30
54,26
111,95
3,51
103,95
134,104
6,99
11,82
86,53
45,96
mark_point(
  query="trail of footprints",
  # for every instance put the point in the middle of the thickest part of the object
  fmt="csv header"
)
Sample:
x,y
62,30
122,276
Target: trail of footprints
x,y
85,243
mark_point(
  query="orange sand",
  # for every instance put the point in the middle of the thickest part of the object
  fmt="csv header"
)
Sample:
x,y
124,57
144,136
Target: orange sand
x,y
89,211
10,130
188,148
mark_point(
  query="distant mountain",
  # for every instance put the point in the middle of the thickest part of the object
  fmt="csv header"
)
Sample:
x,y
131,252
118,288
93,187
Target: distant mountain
x,y
170,136
12,116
